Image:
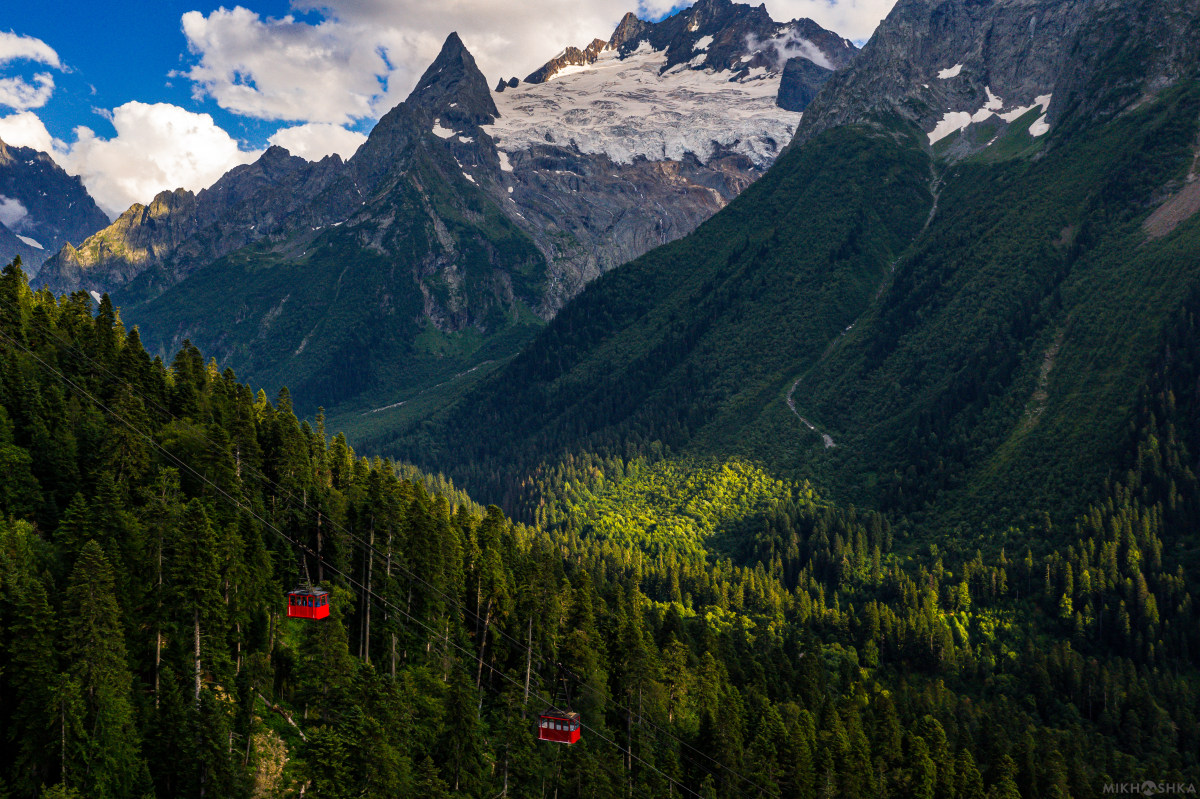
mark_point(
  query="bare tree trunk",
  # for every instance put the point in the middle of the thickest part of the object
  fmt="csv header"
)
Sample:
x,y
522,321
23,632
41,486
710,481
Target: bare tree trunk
x,y
157,662
487,624
366,639
528,663
387,614
320,550
196,631
158,622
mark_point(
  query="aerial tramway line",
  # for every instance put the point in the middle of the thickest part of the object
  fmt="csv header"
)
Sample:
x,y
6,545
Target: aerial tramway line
x,y
557,723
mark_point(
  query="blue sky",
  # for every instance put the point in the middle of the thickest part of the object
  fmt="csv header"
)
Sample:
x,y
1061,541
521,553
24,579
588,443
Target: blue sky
x,y
141,97
117,52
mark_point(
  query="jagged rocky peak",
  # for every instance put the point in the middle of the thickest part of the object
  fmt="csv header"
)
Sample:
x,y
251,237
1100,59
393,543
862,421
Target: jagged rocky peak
x,y
716,35
946,65
629,29
570,57
454,89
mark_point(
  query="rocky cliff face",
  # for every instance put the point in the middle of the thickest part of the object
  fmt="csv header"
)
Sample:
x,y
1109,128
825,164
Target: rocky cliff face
x,y
947,65
42,208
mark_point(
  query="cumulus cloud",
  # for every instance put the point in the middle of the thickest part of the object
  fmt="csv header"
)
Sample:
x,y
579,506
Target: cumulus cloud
x,y
853,19
288,70
11,212
316,140
21,95
18,91
25,129
157,146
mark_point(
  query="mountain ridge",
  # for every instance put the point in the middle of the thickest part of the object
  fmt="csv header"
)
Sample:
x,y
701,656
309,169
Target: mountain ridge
x,y
42,208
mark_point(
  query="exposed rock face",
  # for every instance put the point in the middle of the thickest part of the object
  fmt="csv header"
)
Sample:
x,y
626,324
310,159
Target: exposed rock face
x,y
454,87
945,64
800,82
570,57
42,208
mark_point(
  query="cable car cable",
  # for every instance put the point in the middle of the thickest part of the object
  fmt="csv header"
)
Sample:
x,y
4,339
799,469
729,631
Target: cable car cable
x,y
239,505
462,608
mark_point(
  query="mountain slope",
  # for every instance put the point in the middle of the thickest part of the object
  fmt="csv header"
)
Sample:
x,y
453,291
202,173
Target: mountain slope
x,y
42,208
295,272
988,340
371,295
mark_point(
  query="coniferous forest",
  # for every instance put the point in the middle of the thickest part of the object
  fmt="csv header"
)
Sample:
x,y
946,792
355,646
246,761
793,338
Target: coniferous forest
x,y
154,516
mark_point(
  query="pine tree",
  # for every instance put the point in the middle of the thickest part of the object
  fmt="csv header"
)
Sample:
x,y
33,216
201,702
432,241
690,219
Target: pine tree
x,y
94,645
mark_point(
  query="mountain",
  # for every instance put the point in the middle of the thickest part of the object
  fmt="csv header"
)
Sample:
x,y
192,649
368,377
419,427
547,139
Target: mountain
x,y
628,144
42,208
958,330
979,68
466,219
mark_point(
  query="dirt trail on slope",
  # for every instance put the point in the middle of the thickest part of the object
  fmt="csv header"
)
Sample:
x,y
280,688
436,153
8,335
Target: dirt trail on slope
x,y
791,403
935,189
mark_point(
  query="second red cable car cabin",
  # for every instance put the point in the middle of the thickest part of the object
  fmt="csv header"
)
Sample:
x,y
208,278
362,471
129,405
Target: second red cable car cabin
x,y
559,726
308,603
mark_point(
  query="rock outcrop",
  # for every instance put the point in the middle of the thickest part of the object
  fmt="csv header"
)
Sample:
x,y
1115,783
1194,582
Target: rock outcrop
x,y
42,208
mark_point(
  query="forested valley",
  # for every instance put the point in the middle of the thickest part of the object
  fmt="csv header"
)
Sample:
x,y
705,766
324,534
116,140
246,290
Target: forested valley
x,y
154,516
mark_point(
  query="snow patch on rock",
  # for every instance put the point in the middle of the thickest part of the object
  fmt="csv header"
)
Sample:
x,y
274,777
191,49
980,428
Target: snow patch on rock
x,y
441,132
950,72
954,121
29,241
702,43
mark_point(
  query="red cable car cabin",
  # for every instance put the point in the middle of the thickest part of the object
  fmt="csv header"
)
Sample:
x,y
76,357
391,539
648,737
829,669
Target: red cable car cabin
x,y
559,726
308,603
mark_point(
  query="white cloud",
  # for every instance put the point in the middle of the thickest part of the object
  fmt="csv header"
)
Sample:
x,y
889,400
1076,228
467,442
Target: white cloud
x,y
157,146
11,212
284,69
853,19
316,140
21,95
18,91
26,48
25,129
